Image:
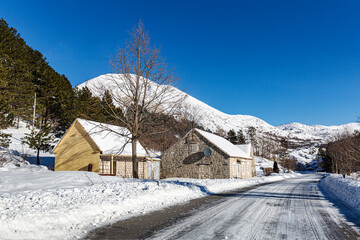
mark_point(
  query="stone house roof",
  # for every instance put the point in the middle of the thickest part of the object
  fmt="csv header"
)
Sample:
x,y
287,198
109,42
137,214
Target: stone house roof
x,y
246,148
223,144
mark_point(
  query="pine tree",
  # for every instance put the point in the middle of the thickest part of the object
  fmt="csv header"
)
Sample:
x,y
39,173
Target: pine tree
x,y
108,111
252,138
240,137
25,72
39,140
88,106
6,117
275,167
231,136
15,71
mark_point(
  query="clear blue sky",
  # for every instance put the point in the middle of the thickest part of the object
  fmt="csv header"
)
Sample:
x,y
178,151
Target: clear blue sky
x,y
281,61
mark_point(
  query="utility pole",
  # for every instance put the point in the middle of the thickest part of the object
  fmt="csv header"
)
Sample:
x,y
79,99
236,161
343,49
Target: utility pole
x,y
34,113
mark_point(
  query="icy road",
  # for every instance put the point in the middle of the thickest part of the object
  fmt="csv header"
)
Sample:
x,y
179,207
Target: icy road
x,y
290,209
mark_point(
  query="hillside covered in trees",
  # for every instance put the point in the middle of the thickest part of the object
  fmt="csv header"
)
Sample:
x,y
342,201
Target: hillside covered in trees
x,y
25,72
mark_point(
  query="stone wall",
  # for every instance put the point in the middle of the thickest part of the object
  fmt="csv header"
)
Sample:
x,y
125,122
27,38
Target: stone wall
x,y
180,161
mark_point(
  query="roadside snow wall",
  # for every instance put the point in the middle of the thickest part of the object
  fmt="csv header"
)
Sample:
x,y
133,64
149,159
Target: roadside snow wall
x,y
346,189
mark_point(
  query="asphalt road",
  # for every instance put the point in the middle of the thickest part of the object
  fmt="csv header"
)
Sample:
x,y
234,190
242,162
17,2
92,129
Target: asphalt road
x,y
291,209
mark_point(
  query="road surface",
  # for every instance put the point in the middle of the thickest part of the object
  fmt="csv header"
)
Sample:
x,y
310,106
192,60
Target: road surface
x,y
290,209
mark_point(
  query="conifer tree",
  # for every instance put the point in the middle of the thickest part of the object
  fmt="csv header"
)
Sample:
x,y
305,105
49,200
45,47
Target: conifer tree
x,y
87,105
6,117
275,167
231,136
252,138
40,140
240,137
108,109
26,72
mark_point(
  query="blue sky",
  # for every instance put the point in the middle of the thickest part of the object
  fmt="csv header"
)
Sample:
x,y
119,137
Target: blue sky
x,y
281,61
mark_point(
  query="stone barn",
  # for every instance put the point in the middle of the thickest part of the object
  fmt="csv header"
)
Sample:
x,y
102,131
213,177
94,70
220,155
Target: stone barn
x,y
201,154
98,147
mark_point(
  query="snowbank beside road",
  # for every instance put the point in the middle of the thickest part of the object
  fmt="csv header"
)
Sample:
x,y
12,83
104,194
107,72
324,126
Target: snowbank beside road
x,y
39,204
346,189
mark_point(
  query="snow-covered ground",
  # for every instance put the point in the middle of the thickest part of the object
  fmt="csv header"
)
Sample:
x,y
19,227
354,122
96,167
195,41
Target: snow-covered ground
x,y
346,189
16,148
38,203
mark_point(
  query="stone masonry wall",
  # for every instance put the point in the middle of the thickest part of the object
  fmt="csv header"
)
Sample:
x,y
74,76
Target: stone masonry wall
x,y
179,161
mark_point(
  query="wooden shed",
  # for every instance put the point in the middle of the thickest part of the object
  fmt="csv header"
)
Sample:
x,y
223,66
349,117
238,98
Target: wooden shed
x,y
99,147
201,154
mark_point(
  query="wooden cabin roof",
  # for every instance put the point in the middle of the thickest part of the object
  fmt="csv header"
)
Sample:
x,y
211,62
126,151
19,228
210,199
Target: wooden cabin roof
x,y
109,139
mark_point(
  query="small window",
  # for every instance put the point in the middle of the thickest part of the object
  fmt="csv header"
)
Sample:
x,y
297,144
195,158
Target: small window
x,y
90,166
193,147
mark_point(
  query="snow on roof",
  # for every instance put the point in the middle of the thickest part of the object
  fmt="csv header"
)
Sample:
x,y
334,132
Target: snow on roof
x,y
246,148
107,137
224,144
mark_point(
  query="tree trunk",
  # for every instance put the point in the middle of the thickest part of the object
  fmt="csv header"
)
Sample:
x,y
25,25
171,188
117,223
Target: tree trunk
x,y
37,157
135,163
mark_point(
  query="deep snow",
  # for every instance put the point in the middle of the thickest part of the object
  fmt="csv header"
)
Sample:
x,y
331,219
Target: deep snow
x,y
346,189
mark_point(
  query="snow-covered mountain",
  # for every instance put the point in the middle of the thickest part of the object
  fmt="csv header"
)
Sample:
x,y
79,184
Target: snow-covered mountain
x,y
319,131
213,119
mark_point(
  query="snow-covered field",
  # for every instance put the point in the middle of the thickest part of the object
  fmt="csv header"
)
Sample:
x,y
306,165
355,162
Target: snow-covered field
x,y
346,189
38,203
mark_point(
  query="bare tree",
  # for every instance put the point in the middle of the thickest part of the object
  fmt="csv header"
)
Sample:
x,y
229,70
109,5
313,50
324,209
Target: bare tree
x,y
343,155
192,115
142,87
221,132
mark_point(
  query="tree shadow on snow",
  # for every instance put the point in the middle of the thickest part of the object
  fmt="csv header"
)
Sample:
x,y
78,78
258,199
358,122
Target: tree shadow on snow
x,y
190,185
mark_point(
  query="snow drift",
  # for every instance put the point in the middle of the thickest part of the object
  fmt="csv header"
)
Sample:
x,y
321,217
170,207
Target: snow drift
x,y
346,189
